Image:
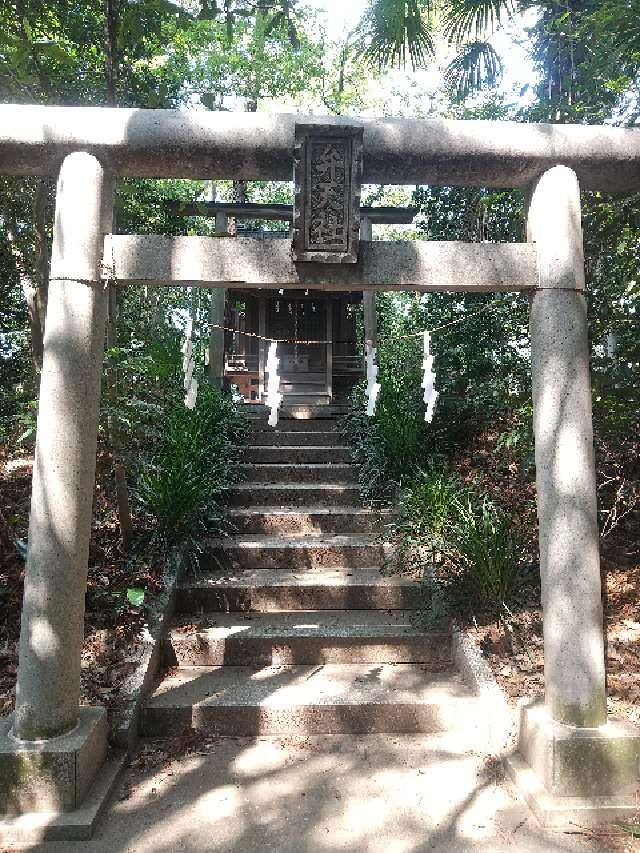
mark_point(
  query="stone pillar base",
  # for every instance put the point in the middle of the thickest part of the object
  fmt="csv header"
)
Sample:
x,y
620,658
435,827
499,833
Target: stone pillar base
x,y
52,775
574,775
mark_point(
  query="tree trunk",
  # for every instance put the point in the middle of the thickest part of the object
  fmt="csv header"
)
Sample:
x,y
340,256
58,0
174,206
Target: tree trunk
x,y
41,247
111,12
30,290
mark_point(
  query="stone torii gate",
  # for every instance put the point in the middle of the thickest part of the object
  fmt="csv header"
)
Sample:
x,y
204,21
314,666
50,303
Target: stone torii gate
x,y
51,750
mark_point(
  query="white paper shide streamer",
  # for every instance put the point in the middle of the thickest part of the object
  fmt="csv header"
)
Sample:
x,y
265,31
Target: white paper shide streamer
x,y
373,386
274,397
188,363
428,380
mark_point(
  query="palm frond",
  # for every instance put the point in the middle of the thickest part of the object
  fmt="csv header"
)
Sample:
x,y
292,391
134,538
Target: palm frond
x,y
465,19
394,30
478,67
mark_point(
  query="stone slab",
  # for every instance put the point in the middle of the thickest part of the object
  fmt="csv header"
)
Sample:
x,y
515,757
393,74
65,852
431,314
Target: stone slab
x,y
327,188
260,146
567,813
296,455
306,637
296,552
258,413
290,438
53,775
250,262
320,794
135,687
268,590
272,520
260,426
293,494
331,699
306,397
268,472
474,668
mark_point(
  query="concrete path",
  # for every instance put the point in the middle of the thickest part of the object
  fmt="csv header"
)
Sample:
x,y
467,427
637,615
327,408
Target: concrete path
x,y
374,793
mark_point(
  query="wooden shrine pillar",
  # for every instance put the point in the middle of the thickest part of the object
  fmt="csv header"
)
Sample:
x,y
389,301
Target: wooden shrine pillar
x,y
369,296
216,317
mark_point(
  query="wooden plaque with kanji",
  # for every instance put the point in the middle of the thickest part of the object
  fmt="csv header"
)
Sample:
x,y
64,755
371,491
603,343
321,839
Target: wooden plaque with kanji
x,y
328,178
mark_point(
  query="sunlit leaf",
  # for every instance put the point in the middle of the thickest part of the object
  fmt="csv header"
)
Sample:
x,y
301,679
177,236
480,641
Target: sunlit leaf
x,y
135,596
27,28
55,51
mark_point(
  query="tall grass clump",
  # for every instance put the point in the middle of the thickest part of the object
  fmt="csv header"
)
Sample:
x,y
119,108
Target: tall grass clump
x,y
418,530
485,552
463,545
387,446
181,483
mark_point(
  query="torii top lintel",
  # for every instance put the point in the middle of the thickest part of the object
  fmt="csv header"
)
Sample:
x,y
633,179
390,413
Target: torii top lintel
x,y
199,144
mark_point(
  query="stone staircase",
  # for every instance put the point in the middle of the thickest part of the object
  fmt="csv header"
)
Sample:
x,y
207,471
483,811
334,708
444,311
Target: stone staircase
x,y
302,633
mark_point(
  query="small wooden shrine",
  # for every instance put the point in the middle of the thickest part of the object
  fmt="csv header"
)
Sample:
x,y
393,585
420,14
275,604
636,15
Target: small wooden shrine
x,y
322,371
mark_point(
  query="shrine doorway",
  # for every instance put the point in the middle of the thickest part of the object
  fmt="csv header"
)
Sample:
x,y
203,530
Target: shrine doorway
x,y
305,368
320,358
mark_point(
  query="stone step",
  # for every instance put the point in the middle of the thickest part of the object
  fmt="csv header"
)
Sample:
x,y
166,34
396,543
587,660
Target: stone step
x,y
298,700
293,389
307,398
306,637
273,590
314,519
294,455
296,552
298,411
260,425
293,494
341,472
294,438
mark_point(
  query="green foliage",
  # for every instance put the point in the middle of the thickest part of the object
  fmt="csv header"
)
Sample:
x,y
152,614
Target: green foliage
x,y
424,507
477,66
181,482
485,553
135,596
387,446
51,51
394,31
466,19
267,56
461,542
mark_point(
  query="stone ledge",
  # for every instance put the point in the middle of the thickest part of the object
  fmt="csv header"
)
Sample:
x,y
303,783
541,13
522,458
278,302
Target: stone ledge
x,y
52,775
554,810
136,687
476,672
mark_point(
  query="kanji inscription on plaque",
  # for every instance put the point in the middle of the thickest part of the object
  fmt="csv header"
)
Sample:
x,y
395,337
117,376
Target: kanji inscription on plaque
x,y
328,177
